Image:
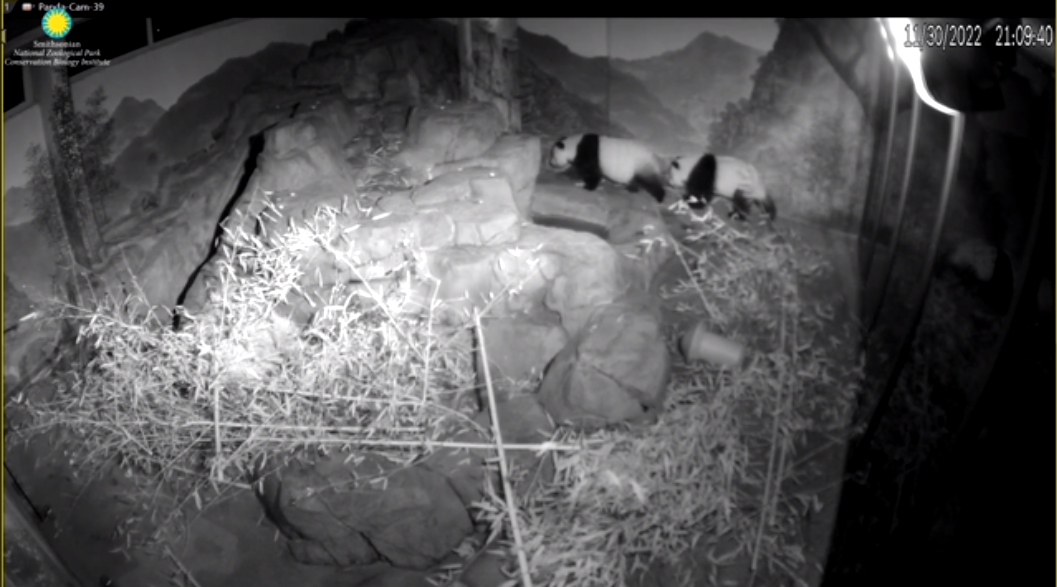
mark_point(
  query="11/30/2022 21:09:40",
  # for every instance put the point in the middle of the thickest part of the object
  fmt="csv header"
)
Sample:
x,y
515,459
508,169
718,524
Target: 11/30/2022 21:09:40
x,y
943,36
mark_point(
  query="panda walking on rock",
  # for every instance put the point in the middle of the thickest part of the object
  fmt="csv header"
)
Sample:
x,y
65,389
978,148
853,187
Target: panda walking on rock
x,y
633,164
622,161
706,176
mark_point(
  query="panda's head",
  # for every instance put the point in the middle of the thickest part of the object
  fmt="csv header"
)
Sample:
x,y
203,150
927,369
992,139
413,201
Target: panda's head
x,y
984,269
679,171
564,151
975,258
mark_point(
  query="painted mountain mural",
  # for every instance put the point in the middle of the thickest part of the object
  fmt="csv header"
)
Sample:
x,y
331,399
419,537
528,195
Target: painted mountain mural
x,y
188,125
669,100
132,118
698,80
549,109
627,99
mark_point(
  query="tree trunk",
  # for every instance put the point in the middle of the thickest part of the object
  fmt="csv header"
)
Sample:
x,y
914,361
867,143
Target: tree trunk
x,y
488,56
506,35
72,162
79,233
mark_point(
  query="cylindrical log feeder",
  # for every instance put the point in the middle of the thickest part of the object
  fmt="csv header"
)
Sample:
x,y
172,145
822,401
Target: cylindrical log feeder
x,y
698,344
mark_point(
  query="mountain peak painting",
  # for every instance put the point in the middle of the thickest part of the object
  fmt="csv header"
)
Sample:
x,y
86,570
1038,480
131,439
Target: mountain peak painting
x,y
668,98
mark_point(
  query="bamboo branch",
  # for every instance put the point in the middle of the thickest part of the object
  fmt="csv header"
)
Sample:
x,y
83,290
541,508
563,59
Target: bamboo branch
x,y
503,468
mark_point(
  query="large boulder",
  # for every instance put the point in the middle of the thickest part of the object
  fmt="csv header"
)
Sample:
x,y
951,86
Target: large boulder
x,y
403,62
449,132
479,206
155,255
584,273
522,420
519,348
161,244
310,147
345,511
567,272
615,368
515,157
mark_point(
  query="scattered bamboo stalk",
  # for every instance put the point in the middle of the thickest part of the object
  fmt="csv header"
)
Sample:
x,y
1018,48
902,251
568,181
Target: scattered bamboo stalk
x,y
218,469
429,336
374,294
794,385
830,443
186,572
293,428
512,511
768,479
690,274
546,447
385,376
457,574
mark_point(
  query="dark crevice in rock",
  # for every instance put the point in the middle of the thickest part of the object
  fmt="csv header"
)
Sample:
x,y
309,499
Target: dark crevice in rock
x,y
257,144
271,501
601,232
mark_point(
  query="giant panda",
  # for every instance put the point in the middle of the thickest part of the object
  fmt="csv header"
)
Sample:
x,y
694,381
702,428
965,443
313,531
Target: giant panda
x,y
622,161
707,176
984,269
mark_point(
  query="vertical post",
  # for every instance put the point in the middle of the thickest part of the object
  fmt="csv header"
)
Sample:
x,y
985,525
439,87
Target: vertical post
x,y
886,276
51,87
71,161
954,149
488,67
466,65
506,33
150,32
40,85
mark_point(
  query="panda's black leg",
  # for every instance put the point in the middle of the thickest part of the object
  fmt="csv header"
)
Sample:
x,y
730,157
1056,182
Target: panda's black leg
x,y
652,185
769,208
698,202
742,208
591,181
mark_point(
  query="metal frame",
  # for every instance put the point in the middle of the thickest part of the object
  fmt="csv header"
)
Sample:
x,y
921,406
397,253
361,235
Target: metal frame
x,y
910,540
908,168
978,398
954,146
878,217
912,61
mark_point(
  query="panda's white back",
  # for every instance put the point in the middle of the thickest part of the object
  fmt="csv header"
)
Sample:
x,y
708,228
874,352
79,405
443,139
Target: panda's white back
x,y
622,159
733,174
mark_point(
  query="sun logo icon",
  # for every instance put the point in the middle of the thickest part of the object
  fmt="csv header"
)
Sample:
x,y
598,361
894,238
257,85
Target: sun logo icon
x,y
57,23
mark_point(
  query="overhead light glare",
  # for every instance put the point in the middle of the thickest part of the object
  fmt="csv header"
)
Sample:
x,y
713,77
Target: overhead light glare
x,y
911,56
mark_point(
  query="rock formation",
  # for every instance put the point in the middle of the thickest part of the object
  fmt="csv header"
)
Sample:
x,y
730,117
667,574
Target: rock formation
x,y
580,343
